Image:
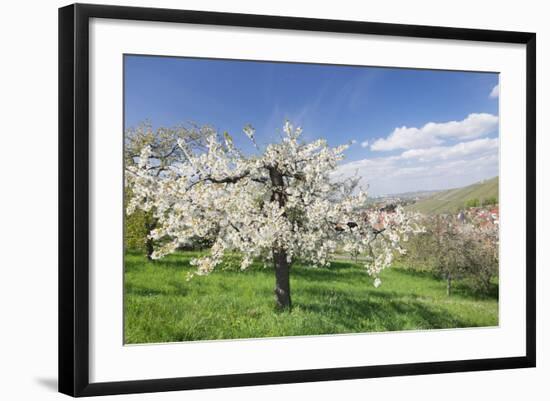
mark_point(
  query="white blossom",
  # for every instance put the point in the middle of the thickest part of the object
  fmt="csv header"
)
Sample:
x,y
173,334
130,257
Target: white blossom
x,y
283,199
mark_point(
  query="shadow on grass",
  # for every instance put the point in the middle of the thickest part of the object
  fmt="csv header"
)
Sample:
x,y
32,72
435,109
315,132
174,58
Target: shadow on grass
x,y
460,288
174,288
384,310
338,271
415,273
465,291
136,261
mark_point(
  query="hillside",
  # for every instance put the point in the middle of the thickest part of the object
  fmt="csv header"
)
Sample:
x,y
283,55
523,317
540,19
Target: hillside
x,y
452,200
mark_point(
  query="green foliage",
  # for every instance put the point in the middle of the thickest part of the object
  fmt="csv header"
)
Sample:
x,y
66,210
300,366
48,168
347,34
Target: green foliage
x,y
162,306
472,202
490,201
136,232
136,226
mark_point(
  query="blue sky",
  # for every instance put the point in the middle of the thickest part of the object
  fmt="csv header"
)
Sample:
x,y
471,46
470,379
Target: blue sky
x,y
408,129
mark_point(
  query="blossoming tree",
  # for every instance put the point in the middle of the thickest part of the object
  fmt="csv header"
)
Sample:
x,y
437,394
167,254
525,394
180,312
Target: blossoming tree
x,y
164,152
279,205
457,247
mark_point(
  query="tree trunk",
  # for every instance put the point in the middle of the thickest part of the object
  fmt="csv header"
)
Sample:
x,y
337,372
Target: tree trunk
x,y
282,280
149,248
150,224
449,279
282,267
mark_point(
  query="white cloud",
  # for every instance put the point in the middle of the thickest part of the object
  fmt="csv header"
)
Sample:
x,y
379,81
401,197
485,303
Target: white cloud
x,y
460,150
437,167
495,92
353,141
432,134
364,144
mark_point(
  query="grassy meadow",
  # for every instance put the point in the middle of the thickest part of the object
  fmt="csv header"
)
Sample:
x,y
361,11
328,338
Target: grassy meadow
x,y
162,306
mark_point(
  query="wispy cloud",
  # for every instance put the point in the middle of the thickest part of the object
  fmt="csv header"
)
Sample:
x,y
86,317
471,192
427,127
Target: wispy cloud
x,y
436,167
432,133
495,92
364,144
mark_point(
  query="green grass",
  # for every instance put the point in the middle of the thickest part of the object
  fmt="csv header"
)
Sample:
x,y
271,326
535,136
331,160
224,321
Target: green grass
x,y
162,306
455,199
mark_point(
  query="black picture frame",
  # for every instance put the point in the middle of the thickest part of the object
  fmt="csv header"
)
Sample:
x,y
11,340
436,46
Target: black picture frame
x,y
74,198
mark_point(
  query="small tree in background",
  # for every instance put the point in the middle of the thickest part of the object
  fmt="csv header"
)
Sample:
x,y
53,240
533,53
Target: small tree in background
x,y
490,201
453,249
472,202
440,250
137,226
482,252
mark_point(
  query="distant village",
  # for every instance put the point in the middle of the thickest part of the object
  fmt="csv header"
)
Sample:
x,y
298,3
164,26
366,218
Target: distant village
x,y
486,212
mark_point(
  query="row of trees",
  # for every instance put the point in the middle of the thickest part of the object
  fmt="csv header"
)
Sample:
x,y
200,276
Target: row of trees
x,y
279,204
476,202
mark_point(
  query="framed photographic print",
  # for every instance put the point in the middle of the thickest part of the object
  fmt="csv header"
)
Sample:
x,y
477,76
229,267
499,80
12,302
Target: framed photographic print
x,y
250,199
